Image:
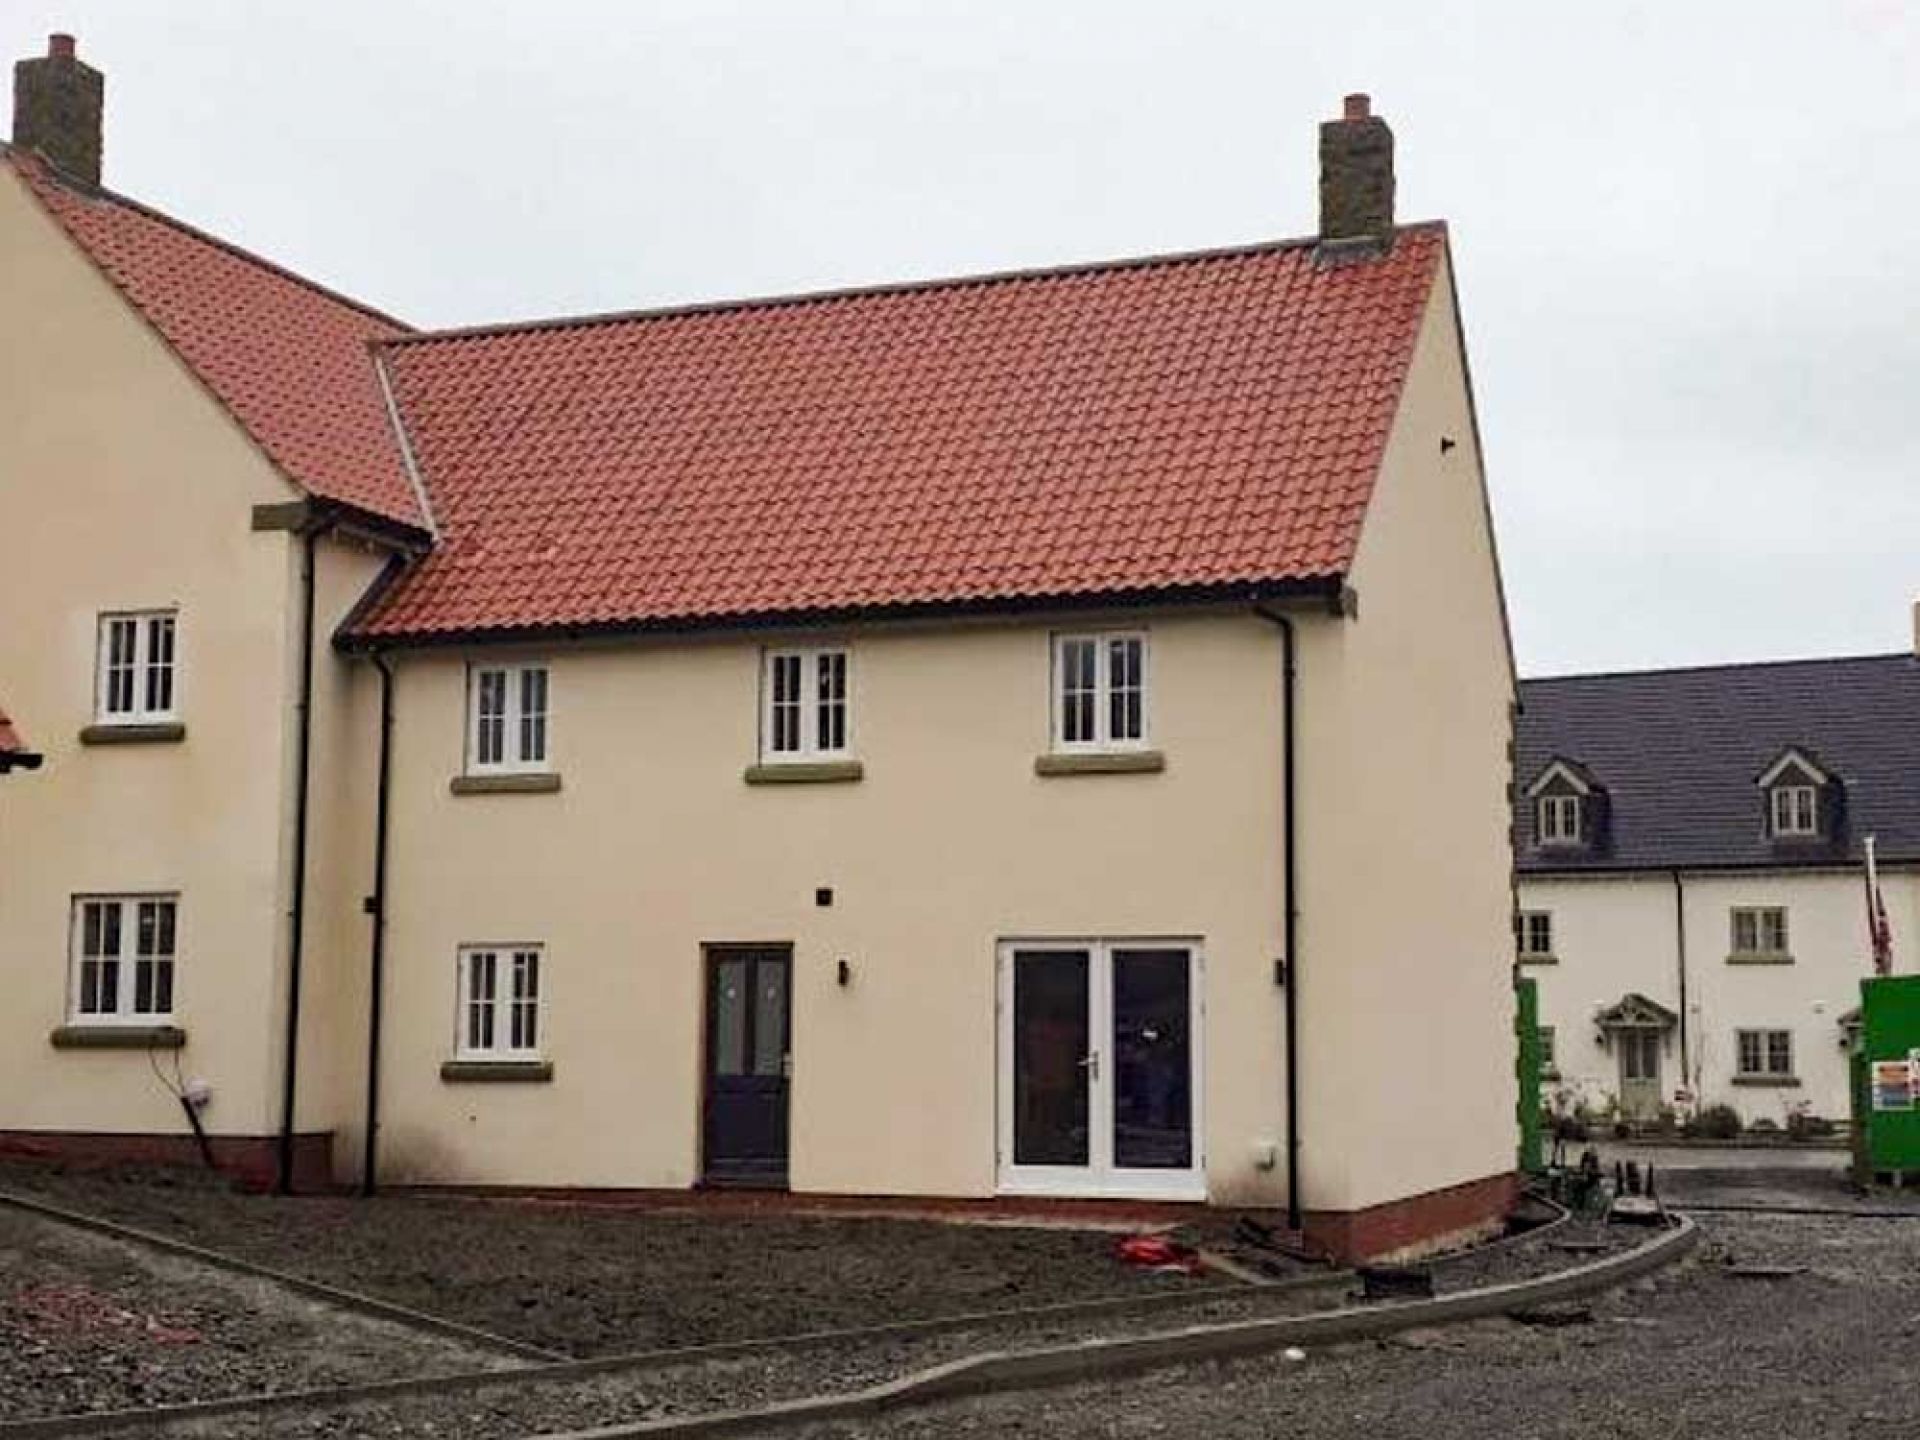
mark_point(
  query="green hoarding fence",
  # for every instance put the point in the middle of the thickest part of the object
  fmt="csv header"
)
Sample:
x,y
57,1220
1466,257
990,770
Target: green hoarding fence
x,y
1886,1075
1526,1034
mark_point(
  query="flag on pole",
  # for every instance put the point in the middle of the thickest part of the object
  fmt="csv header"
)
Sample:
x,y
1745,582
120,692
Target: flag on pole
x,y
1879,932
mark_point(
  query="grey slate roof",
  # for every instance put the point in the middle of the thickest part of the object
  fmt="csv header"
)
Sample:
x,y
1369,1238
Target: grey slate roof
x,y
1679,751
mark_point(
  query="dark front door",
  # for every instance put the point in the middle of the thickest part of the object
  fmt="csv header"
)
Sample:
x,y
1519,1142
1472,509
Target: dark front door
x,y
749,1008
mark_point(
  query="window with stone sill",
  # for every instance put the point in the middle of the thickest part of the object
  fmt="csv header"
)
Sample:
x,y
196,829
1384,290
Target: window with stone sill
x,y
1759,930
500,1003
507,721
1764,1054
1533,934
135,678
1100,692
123,960
805,705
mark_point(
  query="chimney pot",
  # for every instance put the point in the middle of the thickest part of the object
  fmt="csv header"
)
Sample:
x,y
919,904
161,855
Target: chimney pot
x,y
58,100
1356,178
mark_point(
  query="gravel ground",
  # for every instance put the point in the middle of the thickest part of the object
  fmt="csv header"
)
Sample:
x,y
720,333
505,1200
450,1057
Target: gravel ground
x,y
87,1323
595,1281
1826,1188
1689,1352
504,1412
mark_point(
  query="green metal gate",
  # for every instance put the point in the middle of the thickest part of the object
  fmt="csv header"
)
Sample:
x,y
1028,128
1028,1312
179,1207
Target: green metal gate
x,y
1526,1066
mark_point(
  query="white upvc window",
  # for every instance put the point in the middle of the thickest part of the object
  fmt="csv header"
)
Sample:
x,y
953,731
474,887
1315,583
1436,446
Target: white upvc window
x,y
1100,691
506,718
1760,930
123,959
806,704
135,679
1559,819
1796,810
1533,934
1764,1054
500,998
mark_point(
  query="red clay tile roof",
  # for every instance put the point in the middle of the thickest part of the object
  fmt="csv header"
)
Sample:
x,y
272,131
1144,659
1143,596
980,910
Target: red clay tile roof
x,y
1178,424
288,359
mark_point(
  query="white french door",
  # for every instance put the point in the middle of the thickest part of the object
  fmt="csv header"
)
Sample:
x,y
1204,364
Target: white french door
x,y
1100,1065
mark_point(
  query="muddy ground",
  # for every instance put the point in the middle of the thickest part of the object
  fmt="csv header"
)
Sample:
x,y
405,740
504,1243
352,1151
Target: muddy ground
x,y
595,1281
697,1384
87,1323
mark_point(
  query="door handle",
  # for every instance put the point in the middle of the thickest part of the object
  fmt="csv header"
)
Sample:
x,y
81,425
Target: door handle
x,y
1091,1064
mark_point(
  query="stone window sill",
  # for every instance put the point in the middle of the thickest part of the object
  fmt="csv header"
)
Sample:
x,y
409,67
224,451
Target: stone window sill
x,y
1539,959
1759,957
805,772
541,782
1773,1082
497,1071
117,1037
168,732
1100,762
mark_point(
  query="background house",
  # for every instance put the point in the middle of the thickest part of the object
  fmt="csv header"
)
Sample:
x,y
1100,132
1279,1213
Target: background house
x,y
949,739
1690,849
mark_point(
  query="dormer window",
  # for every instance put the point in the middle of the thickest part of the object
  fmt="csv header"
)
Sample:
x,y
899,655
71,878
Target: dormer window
x,y
1559,819
1568,810
1796,810
1801,797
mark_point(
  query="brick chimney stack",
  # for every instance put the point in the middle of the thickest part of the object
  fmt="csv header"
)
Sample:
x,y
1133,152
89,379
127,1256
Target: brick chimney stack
x,y
1356,178
58,101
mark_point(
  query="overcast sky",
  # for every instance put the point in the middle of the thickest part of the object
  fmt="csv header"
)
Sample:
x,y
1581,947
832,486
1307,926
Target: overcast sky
x,y
1688,234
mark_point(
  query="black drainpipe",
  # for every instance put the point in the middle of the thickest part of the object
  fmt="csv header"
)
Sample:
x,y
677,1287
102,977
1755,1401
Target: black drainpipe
x,y
1680,952
377,946
296,919
1290,940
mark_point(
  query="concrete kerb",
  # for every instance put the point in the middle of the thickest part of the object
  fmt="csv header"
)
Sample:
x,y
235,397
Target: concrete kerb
x,y
1102,1359
315,1289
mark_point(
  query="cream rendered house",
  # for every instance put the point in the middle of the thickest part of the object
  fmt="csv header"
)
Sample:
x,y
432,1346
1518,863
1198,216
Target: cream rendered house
x,y
941,740
1692,885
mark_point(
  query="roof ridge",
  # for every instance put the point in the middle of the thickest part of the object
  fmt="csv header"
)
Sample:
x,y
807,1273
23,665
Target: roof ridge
x,y
1712,668
53,174
876,290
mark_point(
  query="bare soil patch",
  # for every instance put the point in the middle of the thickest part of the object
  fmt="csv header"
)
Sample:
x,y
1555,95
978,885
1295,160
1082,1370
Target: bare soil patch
x,y
88,1323
592,1280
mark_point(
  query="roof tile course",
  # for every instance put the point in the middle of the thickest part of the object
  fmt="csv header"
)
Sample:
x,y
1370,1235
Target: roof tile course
x,y
1188,422
1174,424
1680,752
289,360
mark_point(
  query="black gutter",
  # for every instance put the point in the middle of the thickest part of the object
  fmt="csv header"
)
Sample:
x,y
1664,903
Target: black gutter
x,y
376,906
289,1086
351,637
1290,923
1833,865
